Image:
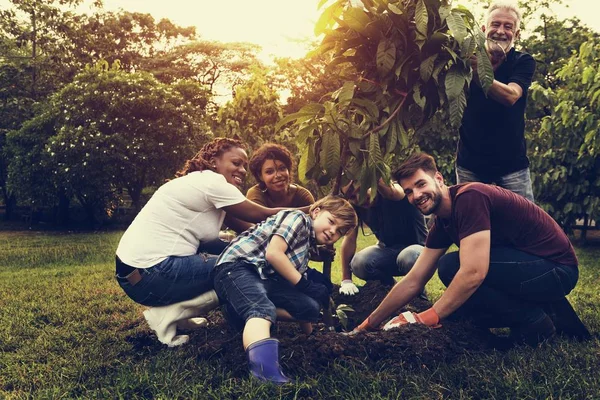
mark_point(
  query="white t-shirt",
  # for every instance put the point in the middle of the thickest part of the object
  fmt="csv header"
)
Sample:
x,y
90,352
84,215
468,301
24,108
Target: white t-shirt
x,y
181,214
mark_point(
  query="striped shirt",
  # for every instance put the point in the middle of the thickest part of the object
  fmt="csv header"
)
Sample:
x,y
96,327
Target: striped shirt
x,y
294,226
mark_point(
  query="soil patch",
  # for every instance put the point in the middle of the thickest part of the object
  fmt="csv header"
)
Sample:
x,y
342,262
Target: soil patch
x,y
412,346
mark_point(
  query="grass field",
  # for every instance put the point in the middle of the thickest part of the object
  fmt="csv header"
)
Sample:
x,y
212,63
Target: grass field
x,y
64,324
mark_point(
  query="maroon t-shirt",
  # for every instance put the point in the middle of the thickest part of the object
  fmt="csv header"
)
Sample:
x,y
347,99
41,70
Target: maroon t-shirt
x,y
513,221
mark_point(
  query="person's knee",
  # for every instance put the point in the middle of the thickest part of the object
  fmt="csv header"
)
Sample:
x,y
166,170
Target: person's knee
x,y
360,266
308,310
448,267
408,257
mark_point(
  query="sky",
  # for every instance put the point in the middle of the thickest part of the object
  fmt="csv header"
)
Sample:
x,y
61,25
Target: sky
x,y
276,25
279,26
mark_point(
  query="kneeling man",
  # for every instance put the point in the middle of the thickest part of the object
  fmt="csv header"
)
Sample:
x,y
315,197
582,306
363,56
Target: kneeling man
x,y
514,267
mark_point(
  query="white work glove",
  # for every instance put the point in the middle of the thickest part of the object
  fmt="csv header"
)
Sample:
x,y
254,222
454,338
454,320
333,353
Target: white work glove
x,y
348,287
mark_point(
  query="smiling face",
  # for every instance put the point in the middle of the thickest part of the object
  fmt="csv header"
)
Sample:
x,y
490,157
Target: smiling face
x,y
502,28
424,191
326,226
232,165
275,175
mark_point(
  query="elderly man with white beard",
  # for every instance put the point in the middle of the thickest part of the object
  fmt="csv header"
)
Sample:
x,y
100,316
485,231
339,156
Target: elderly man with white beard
x,y
492,146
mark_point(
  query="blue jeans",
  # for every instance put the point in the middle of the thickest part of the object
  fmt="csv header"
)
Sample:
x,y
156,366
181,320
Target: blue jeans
x,y
518,182
380,262
515,289
175,279
248,296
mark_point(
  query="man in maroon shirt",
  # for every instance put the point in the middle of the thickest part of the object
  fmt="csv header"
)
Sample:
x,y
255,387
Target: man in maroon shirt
x,y
513,269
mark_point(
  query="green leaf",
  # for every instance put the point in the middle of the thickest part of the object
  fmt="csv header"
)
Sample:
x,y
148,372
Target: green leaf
x,y
403,135
312,108
356,19
386,56
457,27
454,82
419,99
457,108
305,162
445,11
468,47
327,17
421,18
330,153
374,149
484,65
426,67
347,92
369,106
588,74
395,9
392,137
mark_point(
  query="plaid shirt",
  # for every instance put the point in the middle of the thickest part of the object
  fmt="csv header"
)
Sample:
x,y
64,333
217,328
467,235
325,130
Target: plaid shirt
x,y
294,226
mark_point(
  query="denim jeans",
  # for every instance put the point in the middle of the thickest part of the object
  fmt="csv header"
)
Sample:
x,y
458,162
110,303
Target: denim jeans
x,y
248,296
518,182
380,262
172,280
515,289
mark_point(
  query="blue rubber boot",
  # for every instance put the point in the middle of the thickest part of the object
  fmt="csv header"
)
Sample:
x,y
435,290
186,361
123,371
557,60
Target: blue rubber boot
x,y
263,360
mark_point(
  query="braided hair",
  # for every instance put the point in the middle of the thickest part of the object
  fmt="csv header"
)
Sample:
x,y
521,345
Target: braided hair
x,y
213,149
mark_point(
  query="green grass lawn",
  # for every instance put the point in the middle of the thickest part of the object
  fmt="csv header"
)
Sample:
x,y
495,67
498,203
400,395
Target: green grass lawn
x,y
64,323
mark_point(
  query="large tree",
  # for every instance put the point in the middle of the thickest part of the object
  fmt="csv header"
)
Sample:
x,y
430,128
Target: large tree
x,y
411,60
252,113
110,129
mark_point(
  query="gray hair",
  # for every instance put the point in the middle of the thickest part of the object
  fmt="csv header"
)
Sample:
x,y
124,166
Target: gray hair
x,y
505,5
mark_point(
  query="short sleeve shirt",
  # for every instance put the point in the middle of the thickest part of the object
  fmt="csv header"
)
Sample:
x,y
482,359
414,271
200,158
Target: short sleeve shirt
x,y
302,197
181,214
294,226
513,221
492,135
394,222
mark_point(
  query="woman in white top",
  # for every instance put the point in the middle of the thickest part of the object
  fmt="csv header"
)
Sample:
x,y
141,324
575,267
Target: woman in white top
x,y
160,259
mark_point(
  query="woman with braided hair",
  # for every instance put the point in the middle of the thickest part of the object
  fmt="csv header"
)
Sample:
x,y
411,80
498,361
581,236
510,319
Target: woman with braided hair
x,y
162,260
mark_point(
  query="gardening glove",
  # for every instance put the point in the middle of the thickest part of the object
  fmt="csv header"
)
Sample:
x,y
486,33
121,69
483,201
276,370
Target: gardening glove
x,y
363,328
317,291
348,288
428,317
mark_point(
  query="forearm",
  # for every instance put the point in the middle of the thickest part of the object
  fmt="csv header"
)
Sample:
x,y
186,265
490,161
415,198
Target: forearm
x,y
403,292
348,249
237,224
464,284
393,191
505,94
283,266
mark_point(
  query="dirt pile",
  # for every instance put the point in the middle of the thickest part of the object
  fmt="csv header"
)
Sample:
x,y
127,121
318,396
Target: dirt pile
x,y
411,346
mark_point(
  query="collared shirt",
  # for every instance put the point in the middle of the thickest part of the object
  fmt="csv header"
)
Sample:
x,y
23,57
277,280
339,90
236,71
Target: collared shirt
x,y
294,226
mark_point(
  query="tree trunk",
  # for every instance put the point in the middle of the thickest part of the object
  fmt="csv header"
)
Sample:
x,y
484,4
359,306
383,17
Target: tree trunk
x,y
62,214
10,202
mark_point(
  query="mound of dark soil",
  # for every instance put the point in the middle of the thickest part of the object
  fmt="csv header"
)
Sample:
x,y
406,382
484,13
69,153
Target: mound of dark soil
x,y
411,346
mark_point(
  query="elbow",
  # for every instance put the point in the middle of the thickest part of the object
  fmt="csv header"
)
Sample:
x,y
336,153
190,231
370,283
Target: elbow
x,y
270,256
474,278
511,101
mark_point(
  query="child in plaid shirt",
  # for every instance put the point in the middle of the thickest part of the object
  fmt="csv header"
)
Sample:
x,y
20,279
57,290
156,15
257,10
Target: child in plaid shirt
x,y
260,275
